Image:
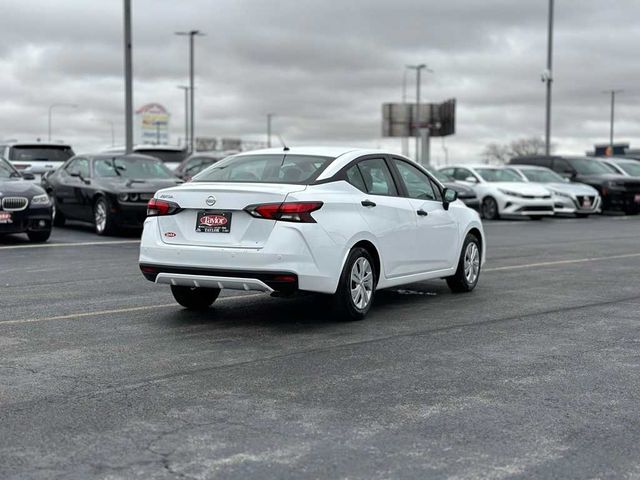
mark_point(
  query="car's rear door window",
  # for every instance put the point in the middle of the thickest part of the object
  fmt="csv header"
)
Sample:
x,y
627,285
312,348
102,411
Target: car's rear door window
x,y
377,177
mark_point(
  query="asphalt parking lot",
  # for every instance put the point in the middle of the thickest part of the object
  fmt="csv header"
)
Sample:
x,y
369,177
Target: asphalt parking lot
x,y
534,374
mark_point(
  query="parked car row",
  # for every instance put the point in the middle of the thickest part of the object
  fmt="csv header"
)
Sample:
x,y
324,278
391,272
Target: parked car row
x,y
539,186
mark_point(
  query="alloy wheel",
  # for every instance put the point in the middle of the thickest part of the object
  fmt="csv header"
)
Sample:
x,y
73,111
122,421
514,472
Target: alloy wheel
x,y
471,263
100,215
361,283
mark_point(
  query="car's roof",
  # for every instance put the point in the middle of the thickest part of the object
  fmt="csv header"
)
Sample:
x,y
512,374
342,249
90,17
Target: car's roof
x,y
527,167
171,148
35,143
110,155
474,166
333,152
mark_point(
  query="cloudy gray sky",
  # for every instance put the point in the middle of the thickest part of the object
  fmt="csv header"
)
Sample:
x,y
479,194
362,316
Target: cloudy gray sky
x,y
323,66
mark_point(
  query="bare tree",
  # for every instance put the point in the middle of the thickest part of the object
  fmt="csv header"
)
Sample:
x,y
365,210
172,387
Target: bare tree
x,y
501,154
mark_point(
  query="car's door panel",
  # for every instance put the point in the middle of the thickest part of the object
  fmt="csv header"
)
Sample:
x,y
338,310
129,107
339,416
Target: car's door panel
x,y
436,246
390,218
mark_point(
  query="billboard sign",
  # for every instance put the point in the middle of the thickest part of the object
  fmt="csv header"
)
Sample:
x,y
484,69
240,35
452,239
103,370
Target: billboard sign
x,y
399,119
152,124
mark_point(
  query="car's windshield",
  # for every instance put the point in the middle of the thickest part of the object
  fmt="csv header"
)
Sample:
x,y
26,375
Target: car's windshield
x,y
586,166
498,175
273,168
174,156
138,168
440,176
41,153
541,176
630,167
7,170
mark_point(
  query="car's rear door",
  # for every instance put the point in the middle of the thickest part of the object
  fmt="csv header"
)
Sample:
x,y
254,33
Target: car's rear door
x,y
436,243
389,217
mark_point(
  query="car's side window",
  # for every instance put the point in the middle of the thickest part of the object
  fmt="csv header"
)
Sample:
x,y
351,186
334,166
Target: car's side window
x,y
462,174
562,166
354,177
82,167
418,184
436,190
377,177
72,167
448,171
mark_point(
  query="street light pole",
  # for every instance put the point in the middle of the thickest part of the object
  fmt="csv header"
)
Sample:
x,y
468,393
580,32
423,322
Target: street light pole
x,y
269,117
405,140
191,34
54,105
548,78
418,69
613,106
186,114
128,79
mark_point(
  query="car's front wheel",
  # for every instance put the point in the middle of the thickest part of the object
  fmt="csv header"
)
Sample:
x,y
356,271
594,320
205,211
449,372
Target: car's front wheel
x,y
468,272
357,285
102,217
58,217
41,236
490,209
194,298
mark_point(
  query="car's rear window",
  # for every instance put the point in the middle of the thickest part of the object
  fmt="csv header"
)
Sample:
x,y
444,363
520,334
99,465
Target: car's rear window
x,y
271,168
41,153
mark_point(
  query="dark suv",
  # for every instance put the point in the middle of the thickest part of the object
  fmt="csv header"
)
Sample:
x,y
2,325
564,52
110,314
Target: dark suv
x,y
618,192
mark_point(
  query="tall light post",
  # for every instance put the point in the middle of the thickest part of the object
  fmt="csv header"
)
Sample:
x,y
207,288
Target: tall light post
x,y
547,77
269,118
405,140
613,106
191,34
128,80
418,69
54,105
186,114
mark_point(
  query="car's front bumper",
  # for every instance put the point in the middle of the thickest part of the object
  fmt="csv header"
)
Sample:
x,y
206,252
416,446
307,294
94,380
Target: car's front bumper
x,y
523,207
571,206
620,200
28,220
130,214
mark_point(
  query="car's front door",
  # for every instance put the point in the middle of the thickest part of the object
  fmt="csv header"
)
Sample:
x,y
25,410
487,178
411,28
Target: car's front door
x,y
69,194
436,246
389,217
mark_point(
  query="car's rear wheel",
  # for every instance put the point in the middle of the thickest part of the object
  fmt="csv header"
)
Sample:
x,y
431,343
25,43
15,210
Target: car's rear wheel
x,y
42,236
102,217
490,209
58,217
356,288
468,272
194,298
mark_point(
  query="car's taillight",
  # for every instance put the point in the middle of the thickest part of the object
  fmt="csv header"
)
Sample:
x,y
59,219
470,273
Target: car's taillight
x,y
286,212
157,207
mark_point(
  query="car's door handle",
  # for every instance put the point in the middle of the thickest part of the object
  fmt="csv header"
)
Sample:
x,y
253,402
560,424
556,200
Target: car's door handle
x,y
422,213
368,203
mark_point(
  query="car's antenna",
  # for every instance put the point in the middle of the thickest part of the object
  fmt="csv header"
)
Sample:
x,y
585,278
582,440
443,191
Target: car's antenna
x,y
284,145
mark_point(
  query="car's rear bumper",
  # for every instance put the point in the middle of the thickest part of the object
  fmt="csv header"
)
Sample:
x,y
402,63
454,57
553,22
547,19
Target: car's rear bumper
x,y
287,252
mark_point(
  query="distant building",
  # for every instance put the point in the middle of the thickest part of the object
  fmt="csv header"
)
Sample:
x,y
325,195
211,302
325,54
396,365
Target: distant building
x,y
151,125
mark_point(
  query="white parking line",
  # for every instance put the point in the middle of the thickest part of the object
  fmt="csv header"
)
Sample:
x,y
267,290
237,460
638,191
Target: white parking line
x,y
561,262
117,310
78,244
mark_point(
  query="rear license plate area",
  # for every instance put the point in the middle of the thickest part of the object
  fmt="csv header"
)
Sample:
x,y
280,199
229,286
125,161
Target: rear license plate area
x,y
213,221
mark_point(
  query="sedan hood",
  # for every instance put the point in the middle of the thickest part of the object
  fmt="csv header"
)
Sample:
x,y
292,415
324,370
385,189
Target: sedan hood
x,y
571,188
19,187
522,188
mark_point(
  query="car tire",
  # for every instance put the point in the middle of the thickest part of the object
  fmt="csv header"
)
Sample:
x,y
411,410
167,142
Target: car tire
x,y
490,209
356,287
193,298
102,217
465,280
58,217
37,237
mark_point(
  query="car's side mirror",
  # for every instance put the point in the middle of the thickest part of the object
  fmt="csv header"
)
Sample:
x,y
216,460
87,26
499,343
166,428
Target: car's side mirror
x,y
448,197
471,179
28,176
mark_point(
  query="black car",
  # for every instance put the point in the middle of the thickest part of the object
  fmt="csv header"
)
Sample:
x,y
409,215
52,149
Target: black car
x,y
24,206
465,193
111,191
197,162
619,193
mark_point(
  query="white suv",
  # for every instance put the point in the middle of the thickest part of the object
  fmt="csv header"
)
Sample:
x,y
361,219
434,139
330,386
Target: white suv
x,y
37,157
337,221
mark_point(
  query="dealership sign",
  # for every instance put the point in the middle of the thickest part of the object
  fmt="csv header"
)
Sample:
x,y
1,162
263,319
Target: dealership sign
x,y
152,124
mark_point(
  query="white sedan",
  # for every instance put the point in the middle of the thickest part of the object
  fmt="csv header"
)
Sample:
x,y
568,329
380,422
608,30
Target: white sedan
x,y
503,192
344,222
